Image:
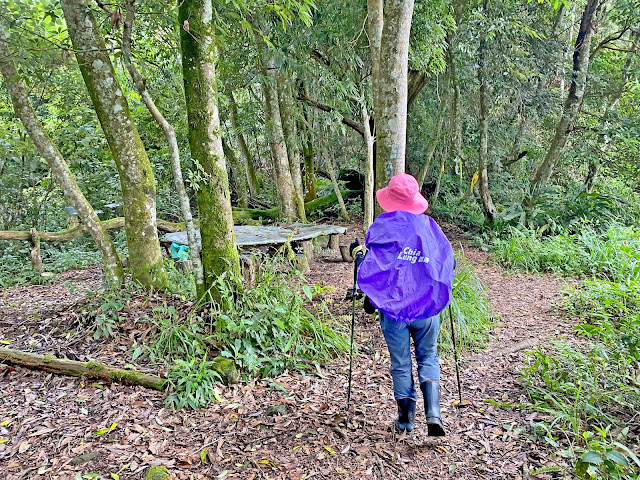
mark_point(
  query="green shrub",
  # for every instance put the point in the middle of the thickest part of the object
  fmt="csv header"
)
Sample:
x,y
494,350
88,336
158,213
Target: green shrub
x,y
267,328
277,324
193,383
558,210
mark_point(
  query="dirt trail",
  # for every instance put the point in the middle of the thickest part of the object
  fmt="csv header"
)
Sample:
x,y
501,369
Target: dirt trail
x,y
53,419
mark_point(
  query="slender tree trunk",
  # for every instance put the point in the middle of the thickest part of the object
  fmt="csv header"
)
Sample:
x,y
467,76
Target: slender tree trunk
x,y
334,180
291,140
431,147
309,160
573,103
170,134
197,37
391,120
237,175
134,168
436,192
483,180
375,24
254,189
369,201
280,157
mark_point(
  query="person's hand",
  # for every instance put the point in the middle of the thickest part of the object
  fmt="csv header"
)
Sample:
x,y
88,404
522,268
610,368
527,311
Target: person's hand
x,y
354,248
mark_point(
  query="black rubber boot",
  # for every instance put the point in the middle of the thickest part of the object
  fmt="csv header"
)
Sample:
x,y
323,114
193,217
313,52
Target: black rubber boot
x,y
406,415
431,393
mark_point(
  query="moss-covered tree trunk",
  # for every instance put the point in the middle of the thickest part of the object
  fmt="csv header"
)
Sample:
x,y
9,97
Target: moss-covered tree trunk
x,y
170,134
197,36
59,168
280,157
134,169
288,116
391,116
252,178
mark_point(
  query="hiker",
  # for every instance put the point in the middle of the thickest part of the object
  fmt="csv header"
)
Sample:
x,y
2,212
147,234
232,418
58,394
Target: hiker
x,y
405,269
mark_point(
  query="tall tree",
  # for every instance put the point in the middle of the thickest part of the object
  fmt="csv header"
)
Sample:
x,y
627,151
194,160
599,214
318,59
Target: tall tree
x,y
134,170
581,57
483,176
392,84
59,167
280,157
197,38
288,115
140,85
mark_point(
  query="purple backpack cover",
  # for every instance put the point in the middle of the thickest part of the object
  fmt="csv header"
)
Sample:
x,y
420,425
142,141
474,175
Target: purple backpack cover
x,y
408,270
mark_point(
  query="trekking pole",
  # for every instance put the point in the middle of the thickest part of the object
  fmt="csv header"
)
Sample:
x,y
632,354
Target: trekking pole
x,y
353,321
461,403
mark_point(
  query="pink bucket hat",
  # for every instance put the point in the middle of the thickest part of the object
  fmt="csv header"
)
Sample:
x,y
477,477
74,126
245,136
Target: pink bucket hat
x,y
402,194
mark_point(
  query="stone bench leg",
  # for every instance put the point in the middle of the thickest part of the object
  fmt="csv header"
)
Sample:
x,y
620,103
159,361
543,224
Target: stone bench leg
x,y
302,263
307,248
334,243
248,269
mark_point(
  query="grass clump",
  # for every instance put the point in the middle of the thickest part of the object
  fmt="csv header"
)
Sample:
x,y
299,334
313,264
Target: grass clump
x,y
193,382
613,254
471,309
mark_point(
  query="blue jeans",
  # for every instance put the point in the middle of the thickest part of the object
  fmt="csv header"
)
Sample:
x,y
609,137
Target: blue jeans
x,y
424,332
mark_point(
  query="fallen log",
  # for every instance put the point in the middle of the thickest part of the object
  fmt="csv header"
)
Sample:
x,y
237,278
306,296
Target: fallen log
x,y
327,200
242,215
92,369
74,232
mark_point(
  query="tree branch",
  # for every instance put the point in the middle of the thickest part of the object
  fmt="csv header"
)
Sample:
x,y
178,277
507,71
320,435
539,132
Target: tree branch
x,y
608,40
350,122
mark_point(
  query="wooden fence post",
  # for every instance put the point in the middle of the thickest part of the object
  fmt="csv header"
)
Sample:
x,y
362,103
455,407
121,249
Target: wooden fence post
x,y
36,259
